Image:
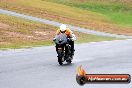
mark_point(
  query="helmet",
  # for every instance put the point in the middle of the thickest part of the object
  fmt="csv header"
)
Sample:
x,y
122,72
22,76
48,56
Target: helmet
x,y
63,28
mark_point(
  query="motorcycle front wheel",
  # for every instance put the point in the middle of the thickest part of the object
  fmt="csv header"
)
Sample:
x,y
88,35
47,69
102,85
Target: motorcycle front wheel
x,y
60,61
60,58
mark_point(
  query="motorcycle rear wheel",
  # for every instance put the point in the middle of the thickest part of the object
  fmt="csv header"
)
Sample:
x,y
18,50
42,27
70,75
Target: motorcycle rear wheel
x,y
69,60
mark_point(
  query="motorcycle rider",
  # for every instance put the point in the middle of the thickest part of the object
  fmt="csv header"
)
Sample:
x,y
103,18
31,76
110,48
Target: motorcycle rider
x,y
63,29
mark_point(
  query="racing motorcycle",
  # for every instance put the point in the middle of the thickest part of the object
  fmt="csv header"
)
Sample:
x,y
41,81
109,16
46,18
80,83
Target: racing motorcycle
x,y
63,48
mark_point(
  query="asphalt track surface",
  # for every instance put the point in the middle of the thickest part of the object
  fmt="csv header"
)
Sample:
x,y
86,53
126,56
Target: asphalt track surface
x,y
54,23
38,67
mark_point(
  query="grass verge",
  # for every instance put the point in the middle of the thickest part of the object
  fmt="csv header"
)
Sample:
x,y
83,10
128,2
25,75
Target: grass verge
x,y
118,11
102,16
20,33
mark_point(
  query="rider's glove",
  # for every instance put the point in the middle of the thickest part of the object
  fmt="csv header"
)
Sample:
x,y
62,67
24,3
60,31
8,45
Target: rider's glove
x,y
73,39
54,39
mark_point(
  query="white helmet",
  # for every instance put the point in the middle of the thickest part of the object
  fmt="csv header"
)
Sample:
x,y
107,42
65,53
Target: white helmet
x,y
63,27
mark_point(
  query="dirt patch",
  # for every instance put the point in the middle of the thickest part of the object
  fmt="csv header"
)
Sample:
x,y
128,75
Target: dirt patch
x,y
44,34
7,0
4,26
35,36
4,43
82,0
19,35
40,33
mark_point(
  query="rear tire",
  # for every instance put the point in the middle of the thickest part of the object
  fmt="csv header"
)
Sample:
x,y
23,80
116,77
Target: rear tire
x,y
69,60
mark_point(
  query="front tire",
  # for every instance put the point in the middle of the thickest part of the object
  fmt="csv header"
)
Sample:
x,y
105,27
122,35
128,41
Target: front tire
x,y
60,61
60,57
69,61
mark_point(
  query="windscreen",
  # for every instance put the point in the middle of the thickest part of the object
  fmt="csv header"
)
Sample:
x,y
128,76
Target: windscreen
x,y
61,38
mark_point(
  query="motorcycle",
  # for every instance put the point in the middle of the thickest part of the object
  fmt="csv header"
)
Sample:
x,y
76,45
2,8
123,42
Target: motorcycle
x,y
63,48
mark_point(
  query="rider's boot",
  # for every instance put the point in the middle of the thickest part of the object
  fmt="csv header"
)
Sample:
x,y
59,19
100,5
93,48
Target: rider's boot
x,y
72,53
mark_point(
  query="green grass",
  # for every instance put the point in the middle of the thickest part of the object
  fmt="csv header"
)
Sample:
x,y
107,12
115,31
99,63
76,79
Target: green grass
x,y
124,19
25,44
117,12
